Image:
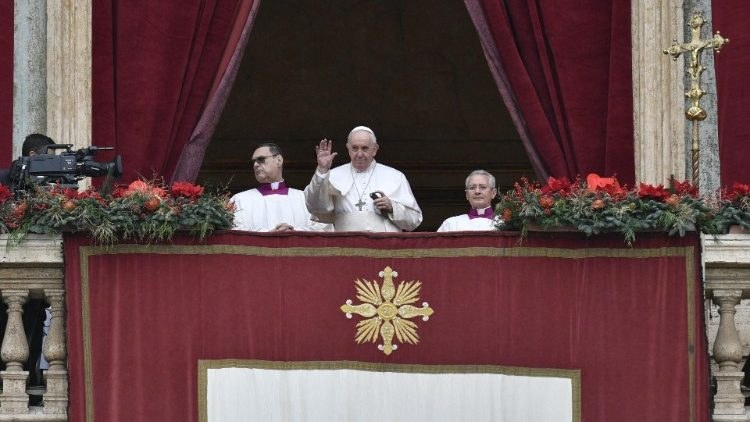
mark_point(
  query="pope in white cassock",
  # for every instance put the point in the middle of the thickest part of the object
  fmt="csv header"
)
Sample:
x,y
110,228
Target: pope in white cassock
x,y
362,195
480,191
272,206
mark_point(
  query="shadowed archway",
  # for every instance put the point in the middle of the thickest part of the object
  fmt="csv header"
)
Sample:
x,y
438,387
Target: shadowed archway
x,y
412,70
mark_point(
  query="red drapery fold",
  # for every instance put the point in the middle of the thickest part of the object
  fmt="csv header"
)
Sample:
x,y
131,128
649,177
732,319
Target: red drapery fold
x,y
563,70
630,319
192,154
730,17
6,83
154,67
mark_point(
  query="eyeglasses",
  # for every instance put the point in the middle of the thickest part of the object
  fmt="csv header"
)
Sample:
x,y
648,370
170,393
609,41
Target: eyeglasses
x,y
477,187
262,159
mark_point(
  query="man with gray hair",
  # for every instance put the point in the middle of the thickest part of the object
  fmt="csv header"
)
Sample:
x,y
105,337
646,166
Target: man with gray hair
x,y
362,195
480,191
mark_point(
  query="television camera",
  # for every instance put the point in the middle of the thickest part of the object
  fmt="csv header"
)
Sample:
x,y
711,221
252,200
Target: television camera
x,y
65,169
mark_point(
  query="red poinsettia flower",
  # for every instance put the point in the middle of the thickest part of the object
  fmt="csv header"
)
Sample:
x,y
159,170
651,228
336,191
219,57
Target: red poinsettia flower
x,y
740,189
658,192
5,193
561,186
684,188
187,190
616,192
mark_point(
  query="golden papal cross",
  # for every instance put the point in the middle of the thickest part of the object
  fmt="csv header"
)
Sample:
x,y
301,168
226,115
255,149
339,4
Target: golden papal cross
x,y
695,113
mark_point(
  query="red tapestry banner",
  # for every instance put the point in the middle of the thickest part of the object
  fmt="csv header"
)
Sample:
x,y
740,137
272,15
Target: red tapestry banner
x,y
630,319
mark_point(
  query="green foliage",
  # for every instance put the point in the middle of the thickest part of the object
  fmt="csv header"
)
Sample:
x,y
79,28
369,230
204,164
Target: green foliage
x,y
601,205
142,211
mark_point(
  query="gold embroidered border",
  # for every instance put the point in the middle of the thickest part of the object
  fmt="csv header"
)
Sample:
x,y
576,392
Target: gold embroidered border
x,y
204,365
85,252
482,251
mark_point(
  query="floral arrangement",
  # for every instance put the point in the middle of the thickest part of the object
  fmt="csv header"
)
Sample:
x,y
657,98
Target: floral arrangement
x,y
735,206
601,205
143,211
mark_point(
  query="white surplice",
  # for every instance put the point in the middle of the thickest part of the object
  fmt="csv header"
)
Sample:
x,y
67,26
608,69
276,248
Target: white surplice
x,y
342,197
261,213
464,223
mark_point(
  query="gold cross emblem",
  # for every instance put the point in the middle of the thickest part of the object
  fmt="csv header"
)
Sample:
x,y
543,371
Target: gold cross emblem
x,y
387,311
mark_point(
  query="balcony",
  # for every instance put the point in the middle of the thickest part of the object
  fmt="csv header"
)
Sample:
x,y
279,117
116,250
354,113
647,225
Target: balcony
x,y
35,271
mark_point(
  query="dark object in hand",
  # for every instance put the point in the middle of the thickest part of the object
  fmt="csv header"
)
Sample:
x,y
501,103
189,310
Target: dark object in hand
x,y
376,195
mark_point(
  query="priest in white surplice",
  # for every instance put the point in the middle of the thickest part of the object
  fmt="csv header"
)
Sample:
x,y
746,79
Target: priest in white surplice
x,y
363,195
272,206
480,191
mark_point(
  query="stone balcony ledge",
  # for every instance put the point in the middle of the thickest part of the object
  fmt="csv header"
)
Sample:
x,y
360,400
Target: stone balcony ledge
x,y
35,249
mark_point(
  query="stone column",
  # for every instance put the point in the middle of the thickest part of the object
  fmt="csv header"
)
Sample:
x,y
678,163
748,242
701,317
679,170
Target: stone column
x,y
69,72
56,397
729,403
658,92
14,352
29,70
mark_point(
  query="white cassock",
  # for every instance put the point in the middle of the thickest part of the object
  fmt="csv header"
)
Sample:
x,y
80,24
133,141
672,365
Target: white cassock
x,y
342,197
262,209
474,220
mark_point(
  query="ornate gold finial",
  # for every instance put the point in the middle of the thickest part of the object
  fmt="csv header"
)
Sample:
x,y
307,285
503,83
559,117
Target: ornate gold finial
x,y
695,113
387,310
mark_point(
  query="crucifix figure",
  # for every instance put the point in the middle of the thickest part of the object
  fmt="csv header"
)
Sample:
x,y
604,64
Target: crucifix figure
x,y
695,113
360,204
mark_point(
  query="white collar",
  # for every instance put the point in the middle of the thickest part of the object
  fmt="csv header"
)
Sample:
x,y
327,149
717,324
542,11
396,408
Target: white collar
x,y
365,171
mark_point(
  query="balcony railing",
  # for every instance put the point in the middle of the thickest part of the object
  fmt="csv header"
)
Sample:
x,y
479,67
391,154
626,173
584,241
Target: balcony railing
x,y
727,281
33,271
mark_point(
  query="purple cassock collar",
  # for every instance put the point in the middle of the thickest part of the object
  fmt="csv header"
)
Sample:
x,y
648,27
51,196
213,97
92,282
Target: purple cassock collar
x,y
485,213
268,188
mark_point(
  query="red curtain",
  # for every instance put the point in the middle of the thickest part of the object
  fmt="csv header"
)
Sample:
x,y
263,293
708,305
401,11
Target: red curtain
x,y
730,17
630,319
192,154
563,69
6,83
155,64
